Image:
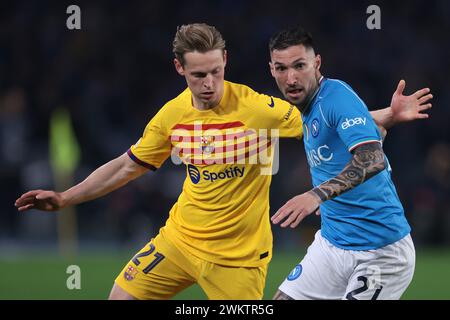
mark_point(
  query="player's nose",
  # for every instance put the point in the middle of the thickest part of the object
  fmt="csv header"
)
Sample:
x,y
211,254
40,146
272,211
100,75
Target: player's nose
x,y
208,81
291,77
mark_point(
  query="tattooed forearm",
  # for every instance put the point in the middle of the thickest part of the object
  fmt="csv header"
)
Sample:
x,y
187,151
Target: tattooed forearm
x,y
281,296
367,161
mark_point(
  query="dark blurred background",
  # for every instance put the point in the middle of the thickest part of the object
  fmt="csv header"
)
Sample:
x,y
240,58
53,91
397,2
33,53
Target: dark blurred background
x,y
117,71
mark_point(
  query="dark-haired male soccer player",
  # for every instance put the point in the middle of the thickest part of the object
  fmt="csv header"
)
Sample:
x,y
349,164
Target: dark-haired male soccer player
x,y
218,233
364,249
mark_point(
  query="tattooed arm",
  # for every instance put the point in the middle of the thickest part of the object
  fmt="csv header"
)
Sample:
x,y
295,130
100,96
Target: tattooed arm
x,y
367,161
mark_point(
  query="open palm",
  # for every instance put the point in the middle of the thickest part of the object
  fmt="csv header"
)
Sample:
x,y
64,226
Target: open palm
x,y
408,108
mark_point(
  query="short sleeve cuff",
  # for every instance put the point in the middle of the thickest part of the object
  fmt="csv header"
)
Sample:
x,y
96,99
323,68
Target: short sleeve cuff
x,y
360,143
140,162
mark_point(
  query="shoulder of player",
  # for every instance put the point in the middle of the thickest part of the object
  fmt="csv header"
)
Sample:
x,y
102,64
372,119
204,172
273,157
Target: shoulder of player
x,y
171,111
338,99
178,103
239,90
336,92
250,98
335,88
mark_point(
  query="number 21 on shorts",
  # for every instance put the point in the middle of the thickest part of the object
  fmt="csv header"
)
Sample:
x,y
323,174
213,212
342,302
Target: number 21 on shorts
x,y
158,258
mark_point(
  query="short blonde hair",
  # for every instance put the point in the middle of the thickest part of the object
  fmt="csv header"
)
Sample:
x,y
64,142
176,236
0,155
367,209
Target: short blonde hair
x,y
196,37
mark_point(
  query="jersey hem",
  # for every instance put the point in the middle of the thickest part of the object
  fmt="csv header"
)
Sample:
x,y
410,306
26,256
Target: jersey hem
x,y
364,248
178,244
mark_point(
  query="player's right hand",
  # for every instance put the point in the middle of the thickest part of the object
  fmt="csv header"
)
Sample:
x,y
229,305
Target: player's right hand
x,y
296,209
40,200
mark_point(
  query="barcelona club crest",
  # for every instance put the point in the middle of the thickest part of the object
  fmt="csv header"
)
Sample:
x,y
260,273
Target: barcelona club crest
x,y
207,144
130,273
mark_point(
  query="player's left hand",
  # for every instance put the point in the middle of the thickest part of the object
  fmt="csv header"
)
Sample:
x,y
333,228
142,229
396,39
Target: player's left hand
x,y
296,209
409,108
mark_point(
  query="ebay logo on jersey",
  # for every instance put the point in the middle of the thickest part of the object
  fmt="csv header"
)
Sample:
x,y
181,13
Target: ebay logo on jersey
x,y
353,122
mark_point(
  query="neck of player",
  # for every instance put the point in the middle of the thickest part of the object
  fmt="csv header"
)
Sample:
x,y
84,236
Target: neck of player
x,y
202,105
303,107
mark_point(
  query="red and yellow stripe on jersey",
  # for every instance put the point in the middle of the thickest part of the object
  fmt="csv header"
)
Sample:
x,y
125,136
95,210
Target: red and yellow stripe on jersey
x,y
219,143
222,214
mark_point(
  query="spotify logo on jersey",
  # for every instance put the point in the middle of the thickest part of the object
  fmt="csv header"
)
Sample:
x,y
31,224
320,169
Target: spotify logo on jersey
x,y
229,173
194,173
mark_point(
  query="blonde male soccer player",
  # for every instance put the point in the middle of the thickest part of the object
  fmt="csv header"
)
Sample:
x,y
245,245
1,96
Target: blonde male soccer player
x,y
218,233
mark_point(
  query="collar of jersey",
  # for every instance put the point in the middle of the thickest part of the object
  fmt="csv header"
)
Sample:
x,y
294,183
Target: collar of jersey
x,y
313,98
221,103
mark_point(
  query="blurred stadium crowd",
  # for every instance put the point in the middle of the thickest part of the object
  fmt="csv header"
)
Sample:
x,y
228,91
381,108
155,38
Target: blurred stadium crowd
x,y
117,71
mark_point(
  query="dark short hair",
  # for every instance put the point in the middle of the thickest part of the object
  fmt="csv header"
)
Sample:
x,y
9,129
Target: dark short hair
x,y
291,37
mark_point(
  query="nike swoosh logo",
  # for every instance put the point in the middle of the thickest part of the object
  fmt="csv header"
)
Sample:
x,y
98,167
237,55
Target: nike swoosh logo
x,y
272,103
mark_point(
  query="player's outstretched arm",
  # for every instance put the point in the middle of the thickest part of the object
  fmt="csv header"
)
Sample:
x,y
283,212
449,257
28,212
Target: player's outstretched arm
x,y
367,161
404,108
103,180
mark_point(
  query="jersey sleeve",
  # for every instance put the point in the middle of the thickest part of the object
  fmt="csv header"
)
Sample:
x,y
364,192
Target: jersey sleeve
x,y
351,118
154,147
275,113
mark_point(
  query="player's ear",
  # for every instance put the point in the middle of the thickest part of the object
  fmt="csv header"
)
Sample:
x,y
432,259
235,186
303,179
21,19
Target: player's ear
x,y
178,66
224,58
272,68
318,62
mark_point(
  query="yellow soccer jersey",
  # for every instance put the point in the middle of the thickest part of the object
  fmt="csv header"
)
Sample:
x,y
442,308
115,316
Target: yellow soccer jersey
x,y
222,214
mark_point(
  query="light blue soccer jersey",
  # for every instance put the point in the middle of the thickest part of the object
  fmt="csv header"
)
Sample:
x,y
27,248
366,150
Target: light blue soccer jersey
x,y
369,216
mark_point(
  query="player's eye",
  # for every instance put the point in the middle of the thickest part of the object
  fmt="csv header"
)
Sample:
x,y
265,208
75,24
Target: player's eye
x,y
280,68
199,75
299,66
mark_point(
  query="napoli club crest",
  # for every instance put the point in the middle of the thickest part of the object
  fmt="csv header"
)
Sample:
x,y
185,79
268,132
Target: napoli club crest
x,y
315,128
295,273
